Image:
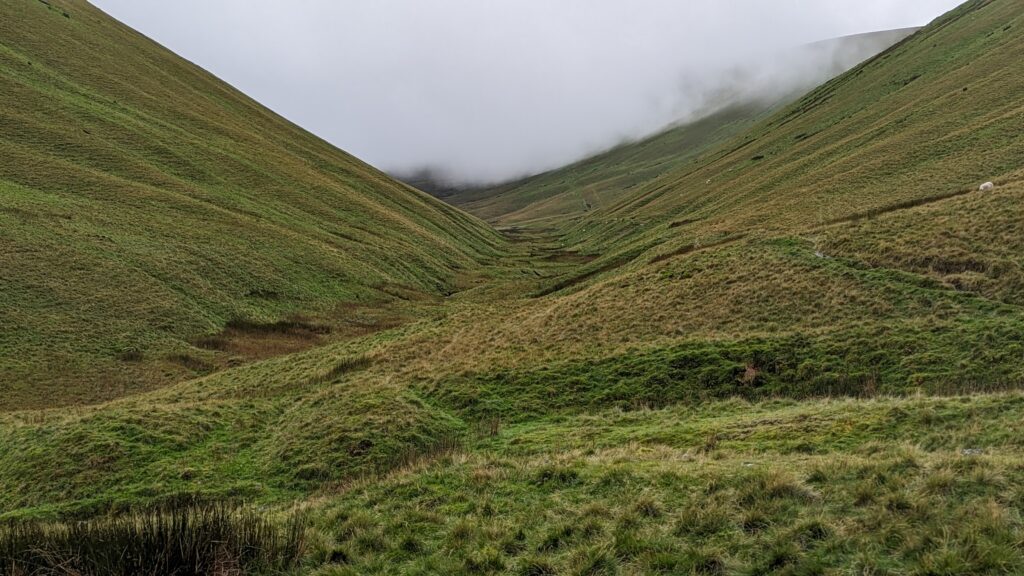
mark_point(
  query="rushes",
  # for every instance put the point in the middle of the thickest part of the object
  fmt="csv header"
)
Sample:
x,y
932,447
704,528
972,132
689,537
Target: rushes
x,y
183,539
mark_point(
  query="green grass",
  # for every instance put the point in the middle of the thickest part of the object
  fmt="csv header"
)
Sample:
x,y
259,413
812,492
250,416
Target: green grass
x,y
269,450
807,366
917,485
728,488
933,359
145,204
971,243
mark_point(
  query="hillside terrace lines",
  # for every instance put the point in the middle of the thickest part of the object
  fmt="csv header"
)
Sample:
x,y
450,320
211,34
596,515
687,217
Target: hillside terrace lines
x,y
193,206
905,205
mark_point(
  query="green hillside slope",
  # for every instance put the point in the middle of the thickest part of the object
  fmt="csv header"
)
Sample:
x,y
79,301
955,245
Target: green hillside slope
x,y
935,116
144,204
861,176
549,198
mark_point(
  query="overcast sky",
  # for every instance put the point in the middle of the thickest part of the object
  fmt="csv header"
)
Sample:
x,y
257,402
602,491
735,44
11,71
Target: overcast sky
x,y
491,89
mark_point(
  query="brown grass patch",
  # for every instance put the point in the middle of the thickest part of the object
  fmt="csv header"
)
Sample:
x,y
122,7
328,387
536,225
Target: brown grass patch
x,y
566,257
256,340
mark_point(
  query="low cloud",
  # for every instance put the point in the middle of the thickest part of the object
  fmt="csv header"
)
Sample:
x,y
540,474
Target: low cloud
x,y
484,91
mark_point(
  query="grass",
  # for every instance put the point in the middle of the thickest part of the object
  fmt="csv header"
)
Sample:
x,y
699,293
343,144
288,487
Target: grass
x,y
185,538
571,496
146,205
810,365
971,247
265,449
933,359
917,485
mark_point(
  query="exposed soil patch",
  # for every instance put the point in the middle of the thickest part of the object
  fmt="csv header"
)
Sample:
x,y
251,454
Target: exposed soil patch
x,y
247,340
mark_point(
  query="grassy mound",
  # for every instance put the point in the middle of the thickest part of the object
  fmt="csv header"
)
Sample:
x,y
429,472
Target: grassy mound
x,y
343,432
266,449
732,488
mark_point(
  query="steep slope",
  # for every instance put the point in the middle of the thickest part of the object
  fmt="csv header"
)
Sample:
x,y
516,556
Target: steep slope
x,y
934,116
602,180
144,204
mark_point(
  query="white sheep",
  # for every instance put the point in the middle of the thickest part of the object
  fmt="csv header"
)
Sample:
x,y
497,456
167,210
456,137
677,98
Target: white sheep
x,y
987,187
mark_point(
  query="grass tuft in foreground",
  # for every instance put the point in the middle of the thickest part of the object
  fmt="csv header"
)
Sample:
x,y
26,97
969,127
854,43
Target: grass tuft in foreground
x,y
184,539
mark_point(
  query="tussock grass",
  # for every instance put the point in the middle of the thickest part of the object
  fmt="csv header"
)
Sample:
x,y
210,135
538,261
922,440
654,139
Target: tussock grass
x,y
183,538
797,366
888,506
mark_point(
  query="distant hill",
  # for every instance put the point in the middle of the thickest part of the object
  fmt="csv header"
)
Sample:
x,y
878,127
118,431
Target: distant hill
x,y
748,95
431,182
571,192
930,118
145,204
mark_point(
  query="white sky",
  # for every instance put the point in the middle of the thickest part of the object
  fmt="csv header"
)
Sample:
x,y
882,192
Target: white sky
x,y
491,89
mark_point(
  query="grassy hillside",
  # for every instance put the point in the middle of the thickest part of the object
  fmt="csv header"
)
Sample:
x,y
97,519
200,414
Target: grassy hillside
x,y
550,198
809,365
931,118
144,204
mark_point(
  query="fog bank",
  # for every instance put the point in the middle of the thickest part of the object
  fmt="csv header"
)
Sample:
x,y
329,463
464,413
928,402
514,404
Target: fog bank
x,y
488,91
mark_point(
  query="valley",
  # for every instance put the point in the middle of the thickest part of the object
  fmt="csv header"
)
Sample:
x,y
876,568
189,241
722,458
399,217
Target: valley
x,y
792,345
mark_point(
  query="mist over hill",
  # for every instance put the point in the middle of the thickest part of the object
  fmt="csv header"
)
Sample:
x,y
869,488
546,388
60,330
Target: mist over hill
x,y
488,92
759,80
